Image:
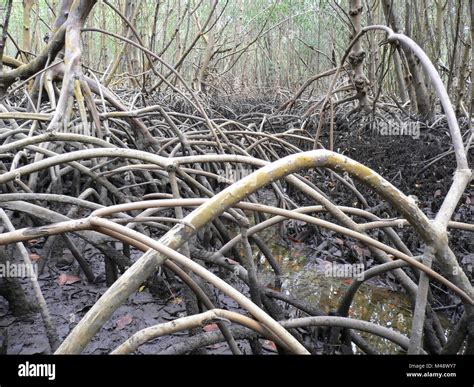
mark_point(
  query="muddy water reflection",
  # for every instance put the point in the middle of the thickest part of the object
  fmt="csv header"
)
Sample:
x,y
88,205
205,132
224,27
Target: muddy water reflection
x,y
307,281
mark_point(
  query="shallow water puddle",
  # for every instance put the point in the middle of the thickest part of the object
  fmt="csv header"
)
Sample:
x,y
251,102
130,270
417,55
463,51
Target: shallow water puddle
x,y
304,278
371,303
308,282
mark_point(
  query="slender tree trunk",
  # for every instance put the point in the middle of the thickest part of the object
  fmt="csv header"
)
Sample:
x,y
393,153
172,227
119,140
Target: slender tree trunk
x,y
26,40
402,86
472,64
423,99
4,20
357,56
460,91
454,62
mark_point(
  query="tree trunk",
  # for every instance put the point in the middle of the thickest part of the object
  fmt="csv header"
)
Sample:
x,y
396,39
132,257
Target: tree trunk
x,y
423,99
357,56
